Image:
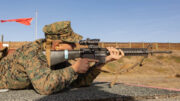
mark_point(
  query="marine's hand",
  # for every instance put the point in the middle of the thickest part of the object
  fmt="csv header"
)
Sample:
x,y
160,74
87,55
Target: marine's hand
x,y
82,65
114,54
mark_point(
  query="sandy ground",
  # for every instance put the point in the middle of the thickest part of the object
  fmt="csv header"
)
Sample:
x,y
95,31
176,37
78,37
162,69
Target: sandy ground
x,y
164,82
158,71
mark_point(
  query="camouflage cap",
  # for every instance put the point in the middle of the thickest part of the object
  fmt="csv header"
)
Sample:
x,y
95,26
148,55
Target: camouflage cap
x,y
61,31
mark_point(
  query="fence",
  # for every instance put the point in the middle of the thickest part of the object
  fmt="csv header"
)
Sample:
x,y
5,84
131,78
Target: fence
x,y
156,46
15,45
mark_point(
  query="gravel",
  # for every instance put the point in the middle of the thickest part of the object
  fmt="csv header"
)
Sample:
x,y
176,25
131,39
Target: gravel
x,y
97,92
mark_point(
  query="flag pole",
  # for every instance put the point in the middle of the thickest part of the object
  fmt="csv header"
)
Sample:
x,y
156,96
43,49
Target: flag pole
x,y
36,26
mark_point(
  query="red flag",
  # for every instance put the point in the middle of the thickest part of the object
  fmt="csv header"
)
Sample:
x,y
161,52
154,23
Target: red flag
x,y
25,21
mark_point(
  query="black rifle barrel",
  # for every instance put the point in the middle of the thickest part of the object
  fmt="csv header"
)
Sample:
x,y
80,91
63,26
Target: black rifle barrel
x,y
140,51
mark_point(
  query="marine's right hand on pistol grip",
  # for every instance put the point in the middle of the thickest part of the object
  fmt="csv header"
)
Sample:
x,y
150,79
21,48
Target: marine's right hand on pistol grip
x,y
82,65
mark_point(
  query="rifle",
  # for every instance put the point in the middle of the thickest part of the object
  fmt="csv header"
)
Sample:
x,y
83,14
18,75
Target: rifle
x,y
95,52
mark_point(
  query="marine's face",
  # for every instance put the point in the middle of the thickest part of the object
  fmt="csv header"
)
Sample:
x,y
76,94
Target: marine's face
x,y
58,45
64,46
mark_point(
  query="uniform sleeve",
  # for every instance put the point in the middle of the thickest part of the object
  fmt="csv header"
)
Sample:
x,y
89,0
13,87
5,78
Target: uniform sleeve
x,y
87,78
45,80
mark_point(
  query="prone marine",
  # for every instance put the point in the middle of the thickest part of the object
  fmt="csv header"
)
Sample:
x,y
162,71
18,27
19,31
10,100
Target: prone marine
x,y
28,67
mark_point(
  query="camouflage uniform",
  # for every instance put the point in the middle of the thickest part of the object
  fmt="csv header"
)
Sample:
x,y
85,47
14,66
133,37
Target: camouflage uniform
x,y
27,67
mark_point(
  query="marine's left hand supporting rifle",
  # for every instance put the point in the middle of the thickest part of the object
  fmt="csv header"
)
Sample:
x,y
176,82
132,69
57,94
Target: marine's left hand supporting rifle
x,y
95,52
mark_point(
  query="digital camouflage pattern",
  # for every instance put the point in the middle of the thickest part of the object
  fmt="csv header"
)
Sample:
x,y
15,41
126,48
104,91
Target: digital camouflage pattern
x,y
27,67
61,31
3,52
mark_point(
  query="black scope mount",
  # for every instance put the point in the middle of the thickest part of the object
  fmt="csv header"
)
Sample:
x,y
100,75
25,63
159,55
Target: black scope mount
x,y
92,43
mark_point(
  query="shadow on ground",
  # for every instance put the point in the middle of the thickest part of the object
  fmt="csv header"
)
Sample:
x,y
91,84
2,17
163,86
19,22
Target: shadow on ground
x,y
99,91
96,92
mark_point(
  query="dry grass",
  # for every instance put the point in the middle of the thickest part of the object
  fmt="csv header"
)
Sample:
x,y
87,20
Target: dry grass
x,y
158,70
157,64
160,57
175,58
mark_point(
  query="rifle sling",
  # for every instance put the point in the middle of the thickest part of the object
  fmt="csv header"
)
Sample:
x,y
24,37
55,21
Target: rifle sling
x,y
48,51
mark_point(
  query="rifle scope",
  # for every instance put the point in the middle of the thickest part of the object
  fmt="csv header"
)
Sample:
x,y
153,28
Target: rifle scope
x,y
89,42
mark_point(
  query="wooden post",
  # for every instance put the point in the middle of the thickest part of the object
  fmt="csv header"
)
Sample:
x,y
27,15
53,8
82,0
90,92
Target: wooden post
x,y
102,45
129,44
9,45
157,46
116,45
143,44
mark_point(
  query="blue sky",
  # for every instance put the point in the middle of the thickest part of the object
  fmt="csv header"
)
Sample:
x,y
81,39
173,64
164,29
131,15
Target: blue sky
x,y
109,20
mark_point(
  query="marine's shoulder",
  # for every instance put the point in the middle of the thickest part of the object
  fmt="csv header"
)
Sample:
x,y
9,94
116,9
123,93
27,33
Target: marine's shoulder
x,y
34,44
39,41
31,46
